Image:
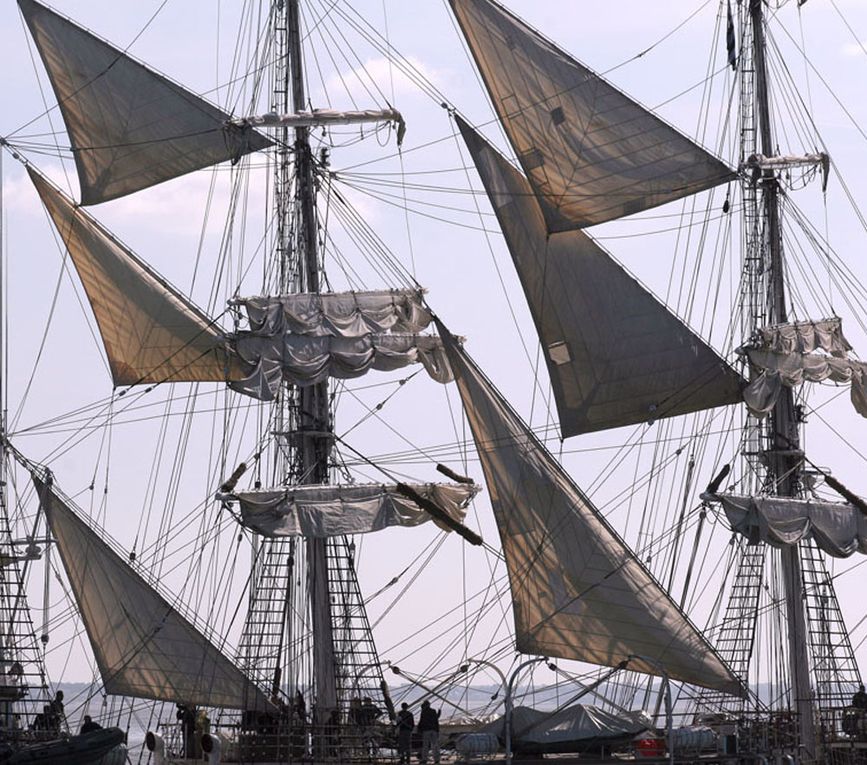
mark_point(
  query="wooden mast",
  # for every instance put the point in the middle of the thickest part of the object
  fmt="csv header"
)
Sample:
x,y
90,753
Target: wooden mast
x,y
314,422
785,459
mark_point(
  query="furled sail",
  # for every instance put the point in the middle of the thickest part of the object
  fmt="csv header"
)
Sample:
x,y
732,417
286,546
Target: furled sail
x,y
143,645
591,153
615,355
838,528
304,339
578,591
327,511
151,332
340,314
130,127
807,351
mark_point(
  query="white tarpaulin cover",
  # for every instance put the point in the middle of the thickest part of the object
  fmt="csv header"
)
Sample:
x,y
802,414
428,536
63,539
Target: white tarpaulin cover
x,y
578,591
840,529
143,646
327,511
615,354
535,730
774,370
130,127
591,153
340,314
151,332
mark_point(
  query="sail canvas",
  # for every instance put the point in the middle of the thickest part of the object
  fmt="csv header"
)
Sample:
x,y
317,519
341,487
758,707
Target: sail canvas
x,y
578,591
143,645
591,153
615,355
130,127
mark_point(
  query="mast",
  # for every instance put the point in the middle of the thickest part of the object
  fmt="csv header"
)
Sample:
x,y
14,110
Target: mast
x,y
783,436
314,421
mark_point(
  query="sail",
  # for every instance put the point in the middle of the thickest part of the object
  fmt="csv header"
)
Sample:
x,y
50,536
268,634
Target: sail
x,y
328,511
838,528
143,646
151,332
339,314
130,127
578,591
615,355
787,355
806,337
306,338
591,154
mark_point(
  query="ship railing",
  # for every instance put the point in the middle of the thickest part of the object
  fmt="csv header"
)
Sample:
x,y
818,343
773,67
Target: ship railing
x,y
278,741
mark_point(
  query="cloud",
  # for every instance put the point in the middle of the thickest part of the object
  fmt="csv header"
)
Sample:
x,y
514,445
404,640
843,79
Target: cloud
x,y
855,49
382,75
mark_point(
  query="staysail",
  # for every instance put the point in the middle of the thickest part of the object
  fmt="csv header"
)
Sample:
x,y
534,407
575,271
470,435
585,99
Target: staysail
x,y
130,128
151,332
143,645
615,354
333,510
591,153
578,591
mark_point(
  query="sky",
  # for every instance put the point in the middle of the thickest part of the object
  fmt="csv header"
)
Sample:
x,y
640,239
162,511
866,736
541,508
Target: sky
x,y
659,53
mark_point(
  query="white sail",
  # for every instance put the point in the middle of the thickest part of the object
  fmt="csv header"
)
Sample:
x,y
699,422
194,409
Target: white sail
x,y
327,511
151,332
578,591
339,314
591,153
788,355
838,528
143,645
615,354
304,339
806,337
130,127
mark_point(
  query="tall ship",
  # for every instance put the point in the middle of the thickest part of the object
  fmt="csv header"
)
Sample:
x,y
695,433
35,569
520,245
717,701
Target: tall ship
x,y
366,418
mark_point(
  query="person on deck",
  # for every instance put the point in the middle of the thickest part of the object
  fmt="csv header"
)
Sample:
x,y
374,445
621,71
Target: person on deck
x,y
859,700
89,725
57,717
429,727
404,724
187,717
368,713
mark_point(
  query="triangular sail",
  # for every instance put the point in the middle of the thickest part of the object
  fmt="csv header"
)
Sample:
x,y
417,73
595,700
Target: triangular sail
x,y
143,646
151,332
578,591
591,153
130,127
616,356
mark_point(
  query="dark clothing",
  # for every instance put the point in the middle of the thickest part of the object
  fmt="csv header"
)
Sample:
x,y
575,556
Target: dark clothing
x,y
428,719
90,726
187,717
368,713
405,723
859,700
